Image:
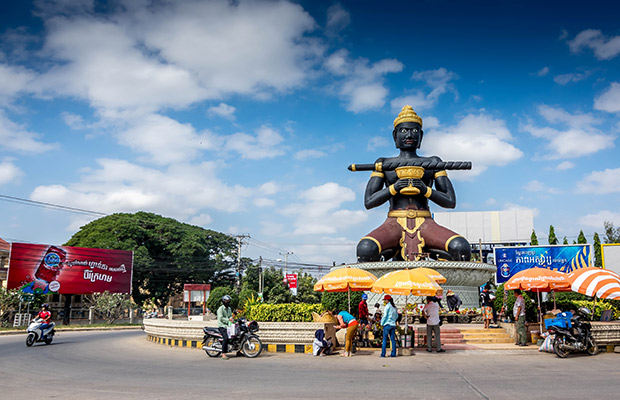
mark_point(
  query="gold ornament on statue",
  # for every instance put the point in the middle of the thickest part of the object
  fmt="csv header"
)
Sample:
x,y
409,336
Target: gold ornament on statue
x,y
407,115
410,173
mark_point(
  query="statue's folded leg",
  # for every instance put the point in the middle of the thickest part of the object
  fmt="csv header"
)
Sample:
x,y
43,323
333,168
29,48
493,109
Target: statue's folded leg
x,y
445,241
379,242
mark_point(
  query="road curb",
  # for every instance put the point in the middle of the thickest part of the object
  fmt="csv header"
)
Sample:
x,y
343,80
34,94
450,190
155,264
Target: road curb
x,y
118,328
196,344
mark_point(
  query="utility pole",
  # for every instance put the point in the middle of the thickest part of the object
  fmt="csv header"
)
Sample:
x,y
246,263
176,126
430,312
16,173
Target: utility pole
x,y
239,243
260,274
285,260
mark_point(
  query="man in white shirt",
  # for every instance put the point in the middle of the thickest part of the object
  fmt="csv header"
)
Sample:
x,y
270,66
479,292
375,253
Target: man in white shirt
x,y
431,312
519,314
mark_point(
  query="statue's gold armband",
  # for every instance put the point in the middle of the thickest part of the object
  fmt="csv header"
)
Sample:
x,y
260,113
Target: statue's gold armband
x,y
392,190
429,192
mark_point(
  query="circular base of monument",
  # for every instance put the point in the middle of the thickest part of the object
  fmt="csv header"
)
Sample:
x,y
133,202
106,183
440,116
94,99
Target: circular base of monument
x,y
462,277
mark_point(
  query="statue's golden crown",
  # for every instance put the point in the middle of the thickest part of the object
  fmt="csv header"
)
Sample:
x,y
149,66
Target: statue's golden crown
x,y
407,115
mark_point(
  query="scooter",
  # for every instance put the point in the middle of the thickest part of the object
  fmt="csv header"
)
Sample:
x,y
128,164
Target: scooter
x,y
36,334
572,333
245,340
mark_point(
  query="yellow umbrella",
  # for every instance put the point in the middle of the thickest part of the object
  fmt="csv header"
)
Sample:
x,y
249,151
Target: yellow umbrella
x,y
344,280
407,282
437,277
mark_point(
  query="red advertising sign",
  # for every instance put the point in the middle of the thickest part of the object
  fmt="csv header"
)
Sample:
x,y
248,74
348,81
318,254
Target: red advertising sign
x,y
41,269
292,282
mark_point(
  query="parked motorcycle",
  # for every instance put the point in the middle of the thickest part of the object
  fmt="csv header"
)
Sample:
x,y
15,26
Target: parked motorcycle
x,y
572,333
36,334
245,340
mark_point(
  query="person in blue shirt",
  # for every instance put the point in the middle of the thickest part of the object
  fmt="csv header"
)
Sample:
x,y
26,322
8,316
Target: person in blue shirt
x,y
348,321
388,321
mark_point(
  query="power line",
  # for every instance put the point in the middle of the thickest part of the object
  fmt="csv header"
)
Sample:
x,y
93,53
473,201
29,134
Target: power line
x,y
52,206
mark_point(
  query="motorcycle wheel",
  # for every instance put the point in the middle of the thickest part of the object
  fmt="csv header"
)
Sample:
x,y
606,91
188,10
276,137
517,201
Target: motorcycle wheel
x,y
48,340
252,347
31,339
557,343
211,342
591,346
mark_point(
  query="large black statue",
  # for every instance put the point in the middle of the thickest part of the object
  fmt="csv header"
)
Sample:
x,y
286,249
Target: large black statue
x,y
409,232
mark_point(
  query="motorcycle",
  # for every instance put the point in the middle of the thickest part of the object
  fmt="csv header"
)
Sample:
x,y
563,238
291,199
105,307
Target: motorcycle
x,y
245,339
572,333
36,334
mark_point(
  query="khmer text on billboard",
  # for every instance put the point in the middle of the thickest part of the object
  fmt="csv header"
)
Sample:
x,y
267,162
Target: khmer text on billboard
x,y
41,269
563,258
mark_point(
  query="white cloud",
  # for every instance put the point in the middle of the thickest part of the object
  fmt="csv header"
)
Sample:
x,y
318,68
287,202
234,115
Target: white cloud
x,y
563,166
564,79
609,100
362,83
17,138
166,140
478,138
513,206
9,172
605,48
600,182
378,142
13,80
439,81
310,153
320,213
540,187
337,20
176,53
579,137
202,220
223,110
597,220
265,144
263,202
181,191
269,188
543,71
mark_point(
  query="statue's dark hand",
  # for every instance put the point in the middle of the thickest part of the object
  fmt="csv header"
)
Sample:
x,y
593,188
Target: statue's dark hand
x,y
400,184
417,183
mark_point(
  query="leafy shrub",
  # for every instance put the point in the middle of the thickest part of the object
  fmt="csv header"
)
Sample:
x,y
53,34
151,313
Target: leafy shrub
x,y
291,312
246,294
215,298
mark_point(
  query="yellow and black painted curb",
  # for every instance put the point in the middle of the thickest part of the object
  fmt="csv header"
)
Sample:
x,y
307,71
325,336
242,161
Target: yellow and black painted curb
x,y
196,344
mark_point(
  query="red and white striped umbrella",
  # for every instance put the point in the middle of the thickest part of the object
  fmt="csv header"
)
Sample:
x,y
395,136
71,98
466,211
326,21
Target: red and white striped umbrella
x,y
593,281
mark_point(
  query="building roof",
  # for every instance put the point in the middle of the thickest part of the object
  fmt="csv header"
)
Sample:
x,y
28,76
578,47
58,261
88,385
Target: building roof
x,y
4,246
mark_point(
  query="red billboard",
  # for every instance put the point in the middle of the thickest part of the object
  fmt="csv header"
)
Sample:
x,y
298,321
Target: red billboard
x,y
41,269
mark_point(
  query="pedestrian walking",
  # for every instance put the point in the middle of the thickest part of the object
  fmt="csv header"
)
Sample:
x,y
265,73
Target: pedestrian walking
x,y
519,314
487,308
431,312
388,321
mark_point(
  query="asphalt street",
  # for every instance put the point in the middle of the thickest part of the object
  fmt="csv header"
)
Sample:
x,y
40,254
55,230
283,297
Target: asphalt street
x,y
123,364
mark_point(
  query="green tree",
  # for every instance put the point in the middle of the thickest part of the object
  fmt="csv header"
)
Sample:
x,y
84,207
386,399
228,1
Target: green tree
x,y
167,253
9,301
552,238
598,257
215,298
111,306
340,300
565,241
533,239
612,234
581,239
305,289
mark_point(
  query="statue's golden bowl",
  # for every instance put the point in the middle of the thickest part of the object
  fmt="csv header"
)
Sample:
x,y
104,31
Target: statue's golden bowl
x,y
410,173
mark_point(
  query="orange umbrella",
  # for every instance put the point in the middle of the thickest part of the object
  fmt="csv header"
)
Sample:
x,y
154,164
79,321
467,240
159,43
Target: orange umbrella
x,y
407,281
344,280
598,282
437,277
539,280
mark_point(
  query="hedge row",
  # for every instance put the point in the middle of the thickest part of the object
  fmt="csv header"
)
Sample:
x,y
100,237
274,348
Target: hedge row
x,y
289,312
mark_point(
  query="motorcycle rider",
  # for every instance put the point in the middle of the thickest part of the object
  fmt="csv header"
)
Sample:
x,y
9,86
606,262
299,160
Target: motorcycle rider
x,y
224,320
46,316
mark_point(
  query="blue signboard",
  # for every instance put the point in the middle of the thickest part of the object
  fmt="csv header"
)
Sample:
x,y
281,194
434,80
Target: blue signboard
x,y
564,258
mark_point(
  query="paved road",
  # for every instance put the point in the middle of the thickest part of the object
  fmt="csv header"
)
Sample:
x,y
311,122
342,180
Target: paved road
x,y
122,364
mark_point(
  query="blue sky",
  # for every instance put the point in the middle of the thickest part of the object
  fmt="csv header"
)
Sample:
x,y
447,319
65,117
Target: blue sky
x,y
242,116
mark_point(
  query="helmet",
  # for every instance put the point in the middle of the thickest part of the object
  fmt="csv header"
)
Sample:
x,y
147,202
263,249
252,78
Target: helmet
x,y
585,311
46,306
226,299
387,297
364,296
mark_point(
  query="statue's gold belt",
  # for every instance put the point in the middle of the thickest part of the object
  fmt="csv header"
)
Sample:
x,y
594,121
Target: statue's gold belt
x,y
409,213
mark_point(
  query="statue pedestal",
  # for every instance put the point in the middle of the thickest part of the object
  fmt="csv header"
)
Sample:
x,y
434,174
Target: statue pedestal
x,y
462,277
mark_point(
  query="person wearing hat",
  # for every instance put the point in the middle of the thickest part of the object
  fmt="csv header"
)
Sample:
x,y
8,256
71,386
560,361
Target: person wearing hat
x,y
362,309
453,300
409,229
388,321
